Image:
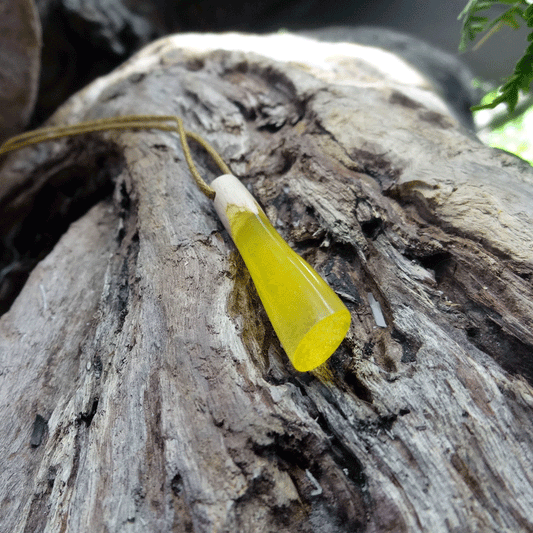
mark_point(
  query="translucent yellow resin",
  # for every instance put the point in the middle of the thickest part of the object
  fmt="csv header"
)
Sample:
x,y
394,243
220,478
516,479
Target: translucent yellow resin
x,y
308,317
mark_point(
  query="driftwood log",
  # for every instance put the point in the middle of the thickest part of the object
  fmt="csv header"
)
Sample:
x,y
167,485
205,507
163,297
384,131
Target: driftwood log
x,y
141,385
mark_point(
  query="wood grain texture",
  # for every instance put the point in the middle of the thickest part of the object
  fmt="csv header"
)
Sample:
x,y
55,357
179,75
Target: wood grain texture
x,y
169,403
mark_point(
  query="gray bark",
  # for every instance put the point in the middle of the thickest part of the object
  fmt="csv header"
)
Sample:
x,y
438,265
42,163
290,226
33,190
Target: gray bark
x,y
142,387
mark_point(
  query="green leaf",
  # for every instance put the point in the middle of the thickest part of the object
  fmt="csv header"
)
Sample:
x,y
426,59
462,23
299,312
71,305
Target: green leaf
x,y
474,24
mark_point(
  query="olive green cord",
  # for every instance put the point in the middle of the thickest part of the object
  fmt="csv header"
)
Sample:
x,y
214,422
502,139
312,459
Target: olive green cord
x,y
128,122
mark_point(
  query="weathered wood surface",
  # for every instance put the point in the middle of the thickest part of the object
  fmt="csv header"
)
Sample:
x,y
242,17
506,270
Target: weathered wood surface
x,y
166,403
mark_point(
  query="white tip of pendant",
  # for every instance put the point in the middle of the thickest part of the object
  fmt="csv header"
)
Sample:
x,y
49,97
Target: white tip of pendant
x,y
230,191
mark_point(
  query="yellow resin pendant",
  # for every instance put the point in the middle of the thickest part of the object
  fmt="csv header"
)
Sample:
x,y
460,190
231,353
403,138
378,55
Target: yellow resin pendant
x,y
308,317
